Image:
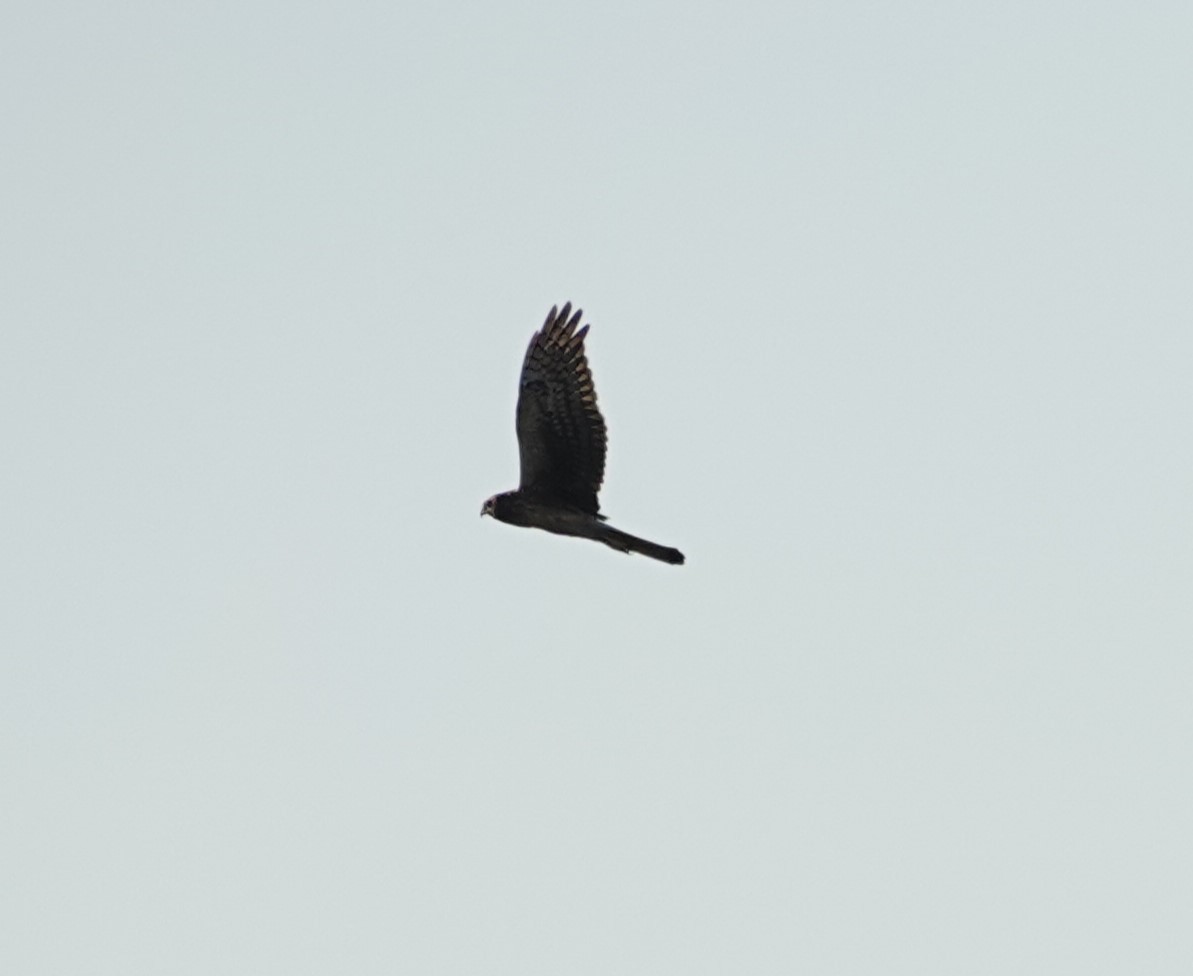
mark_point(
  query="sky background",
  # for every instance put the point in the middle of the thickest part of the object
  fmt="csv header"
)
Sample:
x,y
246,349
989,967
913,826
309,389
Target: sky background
x,y
892,325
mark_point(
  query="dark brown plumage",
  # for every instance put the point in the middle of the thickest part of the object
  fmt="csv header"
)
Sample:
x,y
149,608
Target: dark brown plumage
x,y
561,442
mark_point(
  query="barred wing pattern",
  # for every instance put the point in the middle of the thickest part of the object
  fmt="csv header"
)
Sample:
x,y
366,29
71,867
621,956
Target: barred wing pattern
x,y
561,433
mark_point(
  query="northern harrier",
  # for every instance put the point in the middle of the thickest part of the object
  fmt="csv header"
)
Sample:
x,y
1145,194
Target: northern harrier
x,y
561,442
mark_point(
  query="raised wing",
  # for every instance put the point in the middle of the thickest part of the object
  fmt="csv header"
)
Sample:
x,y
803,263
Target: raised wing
x,y
561,433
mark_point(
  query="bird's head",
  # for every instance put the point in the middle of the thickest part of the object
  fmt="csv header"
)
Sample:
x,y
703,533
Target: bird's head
x,y
500,507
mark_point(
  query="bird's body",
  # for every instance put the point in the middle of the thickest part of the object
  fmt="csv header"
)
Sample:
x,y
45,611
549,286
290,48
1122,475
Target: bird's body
x,y
561,444
531,512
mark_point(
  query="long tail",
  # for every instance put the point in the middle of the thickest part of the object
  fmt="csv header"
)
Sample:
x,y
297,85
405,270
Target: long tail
x,y
624,542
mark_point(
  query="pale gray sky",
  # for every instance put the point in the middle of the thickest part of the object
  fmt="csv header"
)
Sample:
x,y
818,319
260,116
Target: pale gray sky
x,y
892,324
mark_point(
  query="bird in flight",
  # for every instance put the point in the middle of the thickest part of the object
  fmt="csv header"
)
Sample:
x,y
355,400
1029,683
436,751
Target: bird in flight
x,y
561,443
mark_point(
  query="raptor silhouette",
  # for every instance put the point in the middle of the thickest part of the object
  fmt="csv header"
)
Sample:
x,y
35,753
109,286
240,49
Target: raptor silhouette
x,y
561,443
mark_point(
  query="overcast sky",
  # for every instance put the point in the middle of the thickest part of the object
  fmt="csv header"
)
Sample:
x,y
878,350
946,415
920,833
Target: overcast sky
x,y
892,326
